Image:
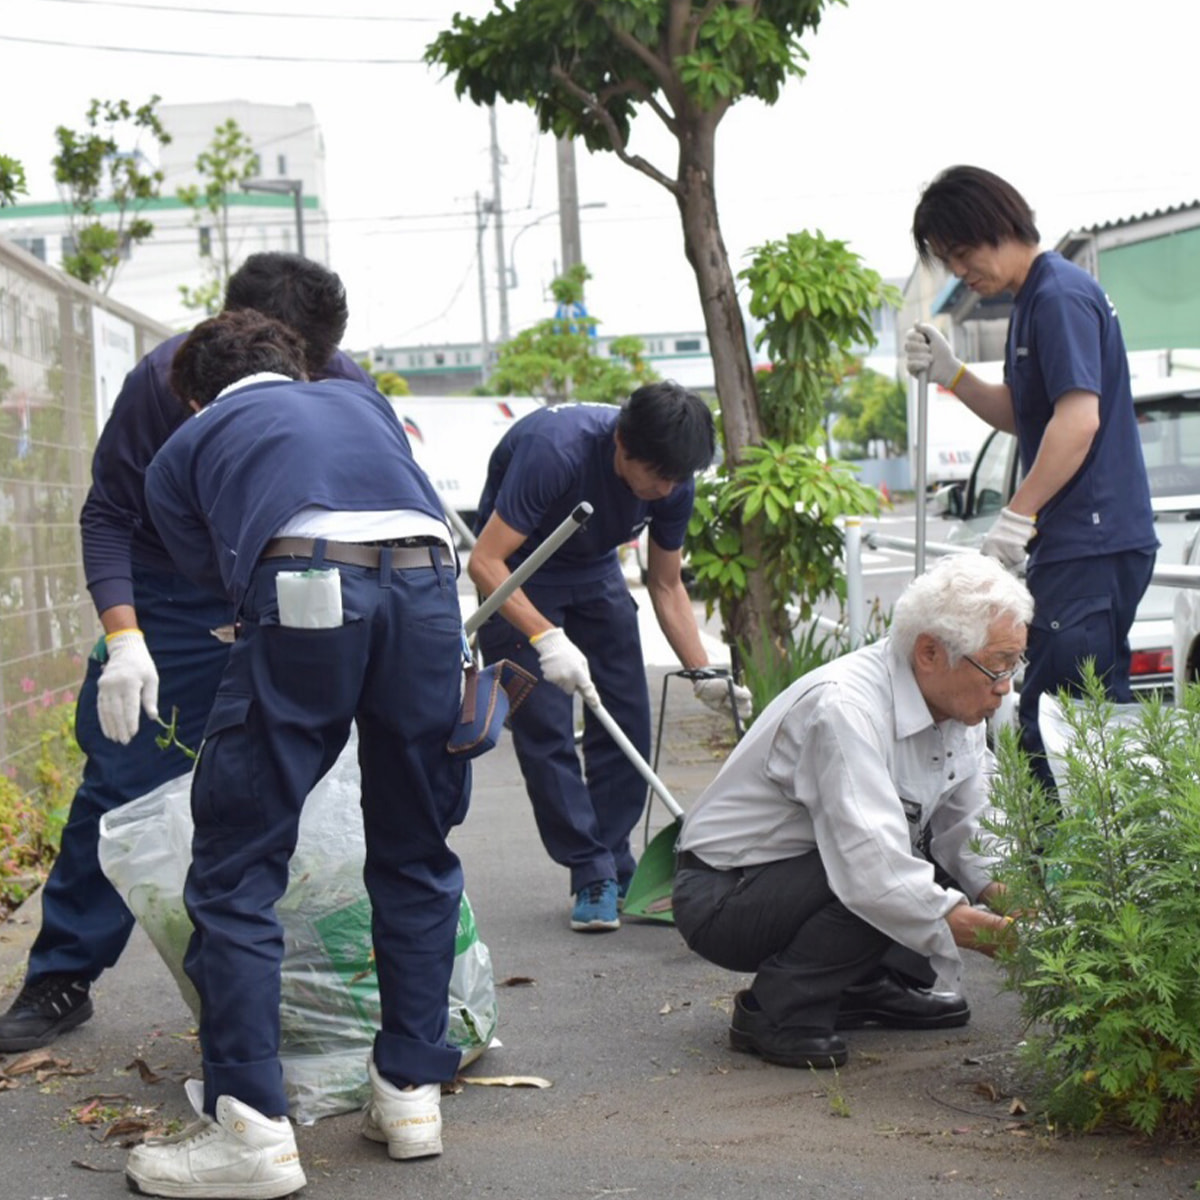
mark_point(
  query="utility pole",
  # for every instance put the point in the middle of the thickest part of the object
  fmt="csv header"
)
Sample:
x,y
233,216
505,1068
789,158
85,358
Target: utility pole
x,y
484,349
568,205
498,213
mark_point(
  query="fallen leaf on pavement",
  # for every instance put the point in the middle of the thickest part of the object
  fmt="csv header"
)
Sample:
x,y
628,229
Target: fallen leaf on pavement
x,y
1016,1108
666,1008
519,981
143,1069
36,1060
533,1081
98,1170
983,1088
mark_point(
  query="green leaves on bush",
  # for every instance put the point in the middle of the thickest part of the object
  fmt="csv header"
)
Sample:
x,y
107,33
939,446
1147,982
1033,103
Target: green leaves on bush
x,y
1106,882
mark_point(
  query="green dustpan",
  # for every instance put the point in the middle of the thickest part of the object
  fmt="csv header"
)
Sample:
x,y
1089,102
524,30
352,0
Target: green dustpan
x,y
649,893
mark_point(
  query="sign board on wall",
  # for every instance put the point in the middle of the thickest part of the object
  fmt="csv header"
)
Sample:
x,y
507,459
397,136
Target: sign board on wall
x,y
114,350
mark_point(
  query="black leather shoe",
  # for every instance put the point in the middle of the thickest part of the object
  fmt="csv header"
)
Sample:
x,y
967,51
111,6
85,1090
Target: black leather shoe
x,y
43,1009
886,1001
752,1033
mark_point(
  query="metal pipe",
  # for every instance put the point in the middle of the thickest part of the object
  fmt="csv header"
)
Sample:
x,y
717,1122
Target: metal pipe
x,y
631,752
855,602
496,600
922,451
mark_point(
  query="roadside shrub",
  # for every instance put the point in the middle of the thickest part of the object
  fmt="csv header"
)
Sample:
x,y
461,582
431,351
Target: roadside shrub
x,y
1104,880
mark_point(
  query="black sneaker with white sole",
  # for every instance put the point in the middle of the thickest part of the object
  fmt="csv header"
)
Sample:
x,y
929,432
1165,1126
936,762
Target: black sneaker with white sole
x,y
44,1009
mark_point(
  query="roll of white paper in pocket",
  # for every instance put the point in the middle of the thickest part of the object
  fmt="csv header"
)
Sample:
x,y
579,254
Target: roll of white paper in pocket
x,y
309,599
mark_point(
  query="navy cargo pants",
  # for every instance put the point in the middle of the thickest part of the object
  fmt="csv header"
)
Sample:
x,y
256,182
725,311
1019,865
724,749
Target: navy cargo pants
x,y
281,717
584,816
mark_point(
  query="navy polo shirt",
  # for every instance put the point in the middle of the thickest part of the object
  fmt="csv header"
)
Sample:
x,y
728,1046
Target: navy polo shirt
x,y
1064,336
551,461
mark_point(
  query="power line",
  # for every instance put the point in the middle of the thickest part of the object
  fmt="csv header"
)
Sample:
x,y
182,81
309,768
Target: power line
x,y
292,58
236,12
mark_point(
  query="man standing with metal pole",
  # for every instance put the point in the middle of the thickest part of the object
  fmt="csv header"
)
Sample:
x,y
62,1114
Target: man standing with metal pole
x,y
1082,509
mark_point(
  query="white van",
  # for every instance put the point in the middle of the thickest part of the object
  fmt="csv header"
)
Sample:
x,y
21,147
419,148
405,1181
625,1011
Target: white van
x,y
453,437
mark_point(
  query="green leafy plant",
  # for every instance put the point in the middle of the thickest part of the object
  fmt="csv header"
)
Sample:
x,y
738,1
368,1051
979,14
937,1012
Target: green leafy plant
x,y
170,736
557,360
1103,881
12,180
106,185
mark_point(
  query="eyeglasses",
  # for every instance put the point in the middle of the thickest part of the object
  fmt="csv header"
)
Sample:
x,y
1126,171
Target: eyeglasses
x,y
998,676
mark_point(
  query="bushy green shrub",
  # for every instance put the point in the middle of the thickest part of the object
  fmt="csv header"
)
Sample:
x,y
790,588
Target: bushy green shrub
x,y
1105,881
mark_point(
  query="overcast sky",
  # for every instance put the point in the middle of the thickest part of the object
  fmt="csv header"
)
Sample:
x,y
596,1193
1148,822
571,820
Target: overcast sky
x,y
1089,109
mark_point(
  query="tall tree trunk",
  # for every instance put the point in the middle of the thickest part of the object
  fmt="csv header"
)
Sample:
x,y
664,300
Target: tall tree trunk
x,y
747,621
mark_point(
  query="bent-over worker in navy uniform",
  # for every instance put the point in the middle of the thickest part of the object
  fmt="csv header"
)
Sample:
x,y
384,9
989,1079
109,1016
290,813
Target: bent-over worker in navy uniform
x,y
159,652
575,622
302,501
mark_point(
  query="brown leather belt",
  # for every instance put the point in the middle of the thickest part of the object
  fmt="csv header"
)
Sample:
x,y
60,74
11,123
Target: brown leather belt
x,y
356,554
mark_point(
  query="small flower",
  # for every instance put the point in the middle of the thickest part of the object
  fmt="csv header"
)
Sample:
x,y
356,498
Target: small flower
x,y
47,698
27,685
68,697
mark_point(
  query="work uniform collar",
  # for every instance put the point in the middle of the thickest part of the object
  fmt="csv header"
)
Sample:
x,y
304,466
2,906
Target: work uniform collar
x,y
910,712
249,380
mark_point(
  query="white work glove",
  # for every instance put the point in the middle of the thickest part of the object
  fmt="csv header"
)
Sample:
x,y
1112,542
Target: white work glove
x,y
562,662
1008,537
715,694
128,683
926,350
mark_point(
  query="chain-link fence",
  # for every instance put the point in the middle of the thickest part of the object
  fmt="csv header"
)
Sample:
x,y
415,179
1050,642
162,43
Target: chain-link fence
x,y
64,350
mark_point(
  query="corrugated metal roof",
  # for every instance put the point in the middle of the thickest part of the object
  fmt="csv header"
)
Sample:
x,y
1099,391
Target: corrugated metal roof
x,y
1121,222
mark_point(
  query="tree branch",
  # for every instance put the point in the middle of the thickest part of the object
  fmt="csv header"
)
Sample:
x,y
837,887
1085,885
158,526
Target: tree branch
x,y
592,105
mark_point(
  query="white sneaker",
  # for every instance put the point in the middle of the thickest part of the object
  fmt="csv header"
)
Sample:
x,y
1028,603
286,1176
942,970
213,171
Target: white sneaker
x,y
242,1155
409,1121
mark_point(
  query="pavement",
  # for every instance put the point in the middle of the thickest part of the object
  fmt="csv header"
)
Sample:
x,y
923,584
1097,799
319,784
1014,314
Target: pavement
x,y
646,1100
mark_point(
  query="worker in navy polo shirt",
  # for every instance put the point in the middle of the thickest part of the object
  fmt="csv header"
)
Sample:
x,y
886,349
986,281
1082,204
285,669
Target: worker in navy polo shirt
x,y
1082,510
159,653
303,503
575,622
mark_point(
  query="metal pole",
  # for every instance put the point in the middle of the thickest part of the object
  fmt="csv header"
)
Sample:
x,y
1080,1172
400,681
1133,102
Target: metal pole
x,y
855,603
922,450
485,350
498,213
631,752
297,193
568,205
501,594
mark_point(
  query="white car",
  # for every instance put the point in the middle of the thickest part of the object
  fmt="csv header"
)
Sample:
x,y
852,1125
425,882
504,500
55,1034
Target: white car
x,y
1168,414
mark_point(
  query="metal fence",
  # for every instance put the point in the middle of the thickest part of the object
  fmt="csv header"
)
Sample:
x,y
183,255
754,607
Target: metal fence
x,y
64,350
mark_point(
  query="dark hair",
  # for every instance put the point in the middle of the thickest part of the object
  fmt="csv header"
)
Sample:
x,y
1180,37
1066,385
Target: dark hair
x,y
226,348
669,429
297,291
968,206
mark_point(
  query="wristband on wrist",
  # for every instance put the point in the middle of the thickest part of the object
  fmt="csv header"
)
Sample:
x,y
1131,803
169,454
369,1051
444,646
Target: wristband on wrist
x,y
962,370
108,637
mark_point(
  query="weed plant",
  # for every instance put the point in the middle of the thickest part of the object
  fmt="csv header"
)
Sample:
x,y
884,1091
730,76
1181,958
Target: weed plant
x,y
1104,881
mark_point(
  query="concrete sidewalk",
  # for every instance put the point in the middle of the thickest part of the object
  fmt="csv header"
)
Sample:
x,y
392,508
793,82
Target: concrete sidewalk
x,y
647,1101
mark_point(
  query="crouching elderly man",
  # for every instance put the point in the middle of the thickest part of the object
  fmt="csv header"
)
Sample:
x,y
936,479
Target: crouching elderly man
x,y
835,854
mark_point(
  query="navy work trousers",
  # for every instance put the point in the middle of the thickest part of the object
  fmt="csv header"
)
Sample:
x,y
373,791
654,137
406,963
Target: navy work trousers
x,y
281,717
1083,609
584,816
85,923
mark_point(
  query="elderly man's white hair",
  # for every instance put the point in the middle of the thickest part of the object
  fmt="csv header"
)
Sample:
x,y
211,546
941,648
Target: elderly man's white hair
x,y
956,601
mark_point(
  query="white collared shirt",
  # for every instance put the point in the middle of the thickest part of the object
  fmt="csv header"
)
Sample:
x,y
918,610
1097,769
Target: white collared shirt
x,y
849,761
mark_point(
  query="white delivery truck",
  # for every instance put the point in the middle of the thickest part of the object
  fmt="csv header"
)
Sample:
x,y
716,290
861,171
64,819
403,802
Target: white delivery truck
x,y
954,432
453,437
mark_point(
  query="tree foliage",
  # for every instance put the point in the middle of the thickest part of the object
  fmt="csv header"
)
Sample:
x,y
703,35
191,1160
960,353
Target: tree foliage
x,y
815,299
869,409
557,360
589,68
387,382
228,160
12,180
106,186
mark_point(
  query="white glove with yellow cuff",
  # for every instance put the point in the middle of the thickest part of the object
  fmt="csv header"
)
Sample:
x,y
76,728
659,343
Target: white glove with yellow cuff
x,y
926,350
128,683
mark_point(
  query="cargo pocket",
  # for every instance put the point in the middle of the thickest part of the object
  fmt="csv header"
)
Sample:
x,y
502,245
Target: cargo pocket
x,y
1076,630
224,790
